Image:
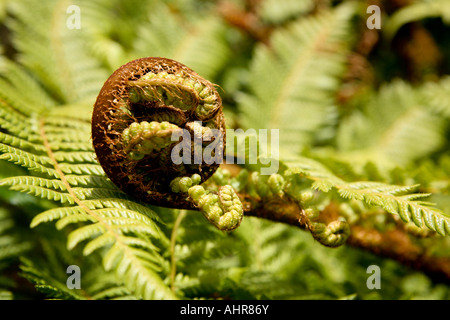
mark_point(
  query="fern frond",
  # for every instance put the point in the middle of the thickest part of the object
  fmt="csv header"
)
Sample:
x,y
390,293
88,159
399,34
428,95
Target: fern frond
x,y
44,193
272,11
63,169
355,190
73,115
125,204
135,268
25,160
63,119
324,179
85,168
116,293
90,181
399,200
55,214
73,73
11,246
297,76
73,146
197,42
391,136
436,95
16,124
13,78
98,193
75,156
63,135
95,283
26,157
113,38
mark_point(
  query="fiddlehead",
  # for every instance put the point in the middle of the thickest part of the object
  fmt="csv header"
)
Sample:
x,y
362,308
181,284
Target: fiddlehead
x,y
333,234
275,192
145,110
223,209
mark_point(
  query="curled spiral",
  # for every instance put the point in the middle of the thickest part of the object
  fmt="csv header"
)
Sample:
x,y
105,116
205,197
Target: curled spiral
x,y
224,209
145,109
331,235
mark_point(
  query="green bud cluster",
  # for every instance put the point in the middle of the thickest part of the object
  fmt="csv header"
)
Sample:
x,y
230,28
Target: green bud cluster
x,y
182,184
144,138
224,209
179,90
267,186
333,234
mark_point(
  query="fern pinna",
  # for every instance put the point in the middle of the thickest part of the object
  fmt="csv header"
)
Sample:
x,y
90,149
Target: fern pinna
x,y
59,153
150,252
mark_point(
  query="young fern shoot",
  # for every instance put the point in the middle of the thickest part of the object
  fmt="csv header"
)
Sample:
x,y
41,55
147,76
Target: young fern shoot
x,y
140,116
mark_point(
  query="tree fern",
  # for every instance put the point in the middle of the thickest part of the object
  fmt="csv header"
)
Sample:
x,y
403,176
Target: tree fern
x,y
385,164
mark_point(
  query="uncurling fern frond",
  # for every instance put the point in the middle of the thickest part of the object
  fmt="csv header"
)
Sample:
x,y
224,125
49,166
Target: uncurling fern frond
x,y
97,213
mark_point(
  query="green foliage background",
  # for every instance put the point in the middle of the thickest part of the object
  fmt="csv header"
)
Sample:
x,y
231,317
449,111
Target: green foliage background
x,y
364,121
